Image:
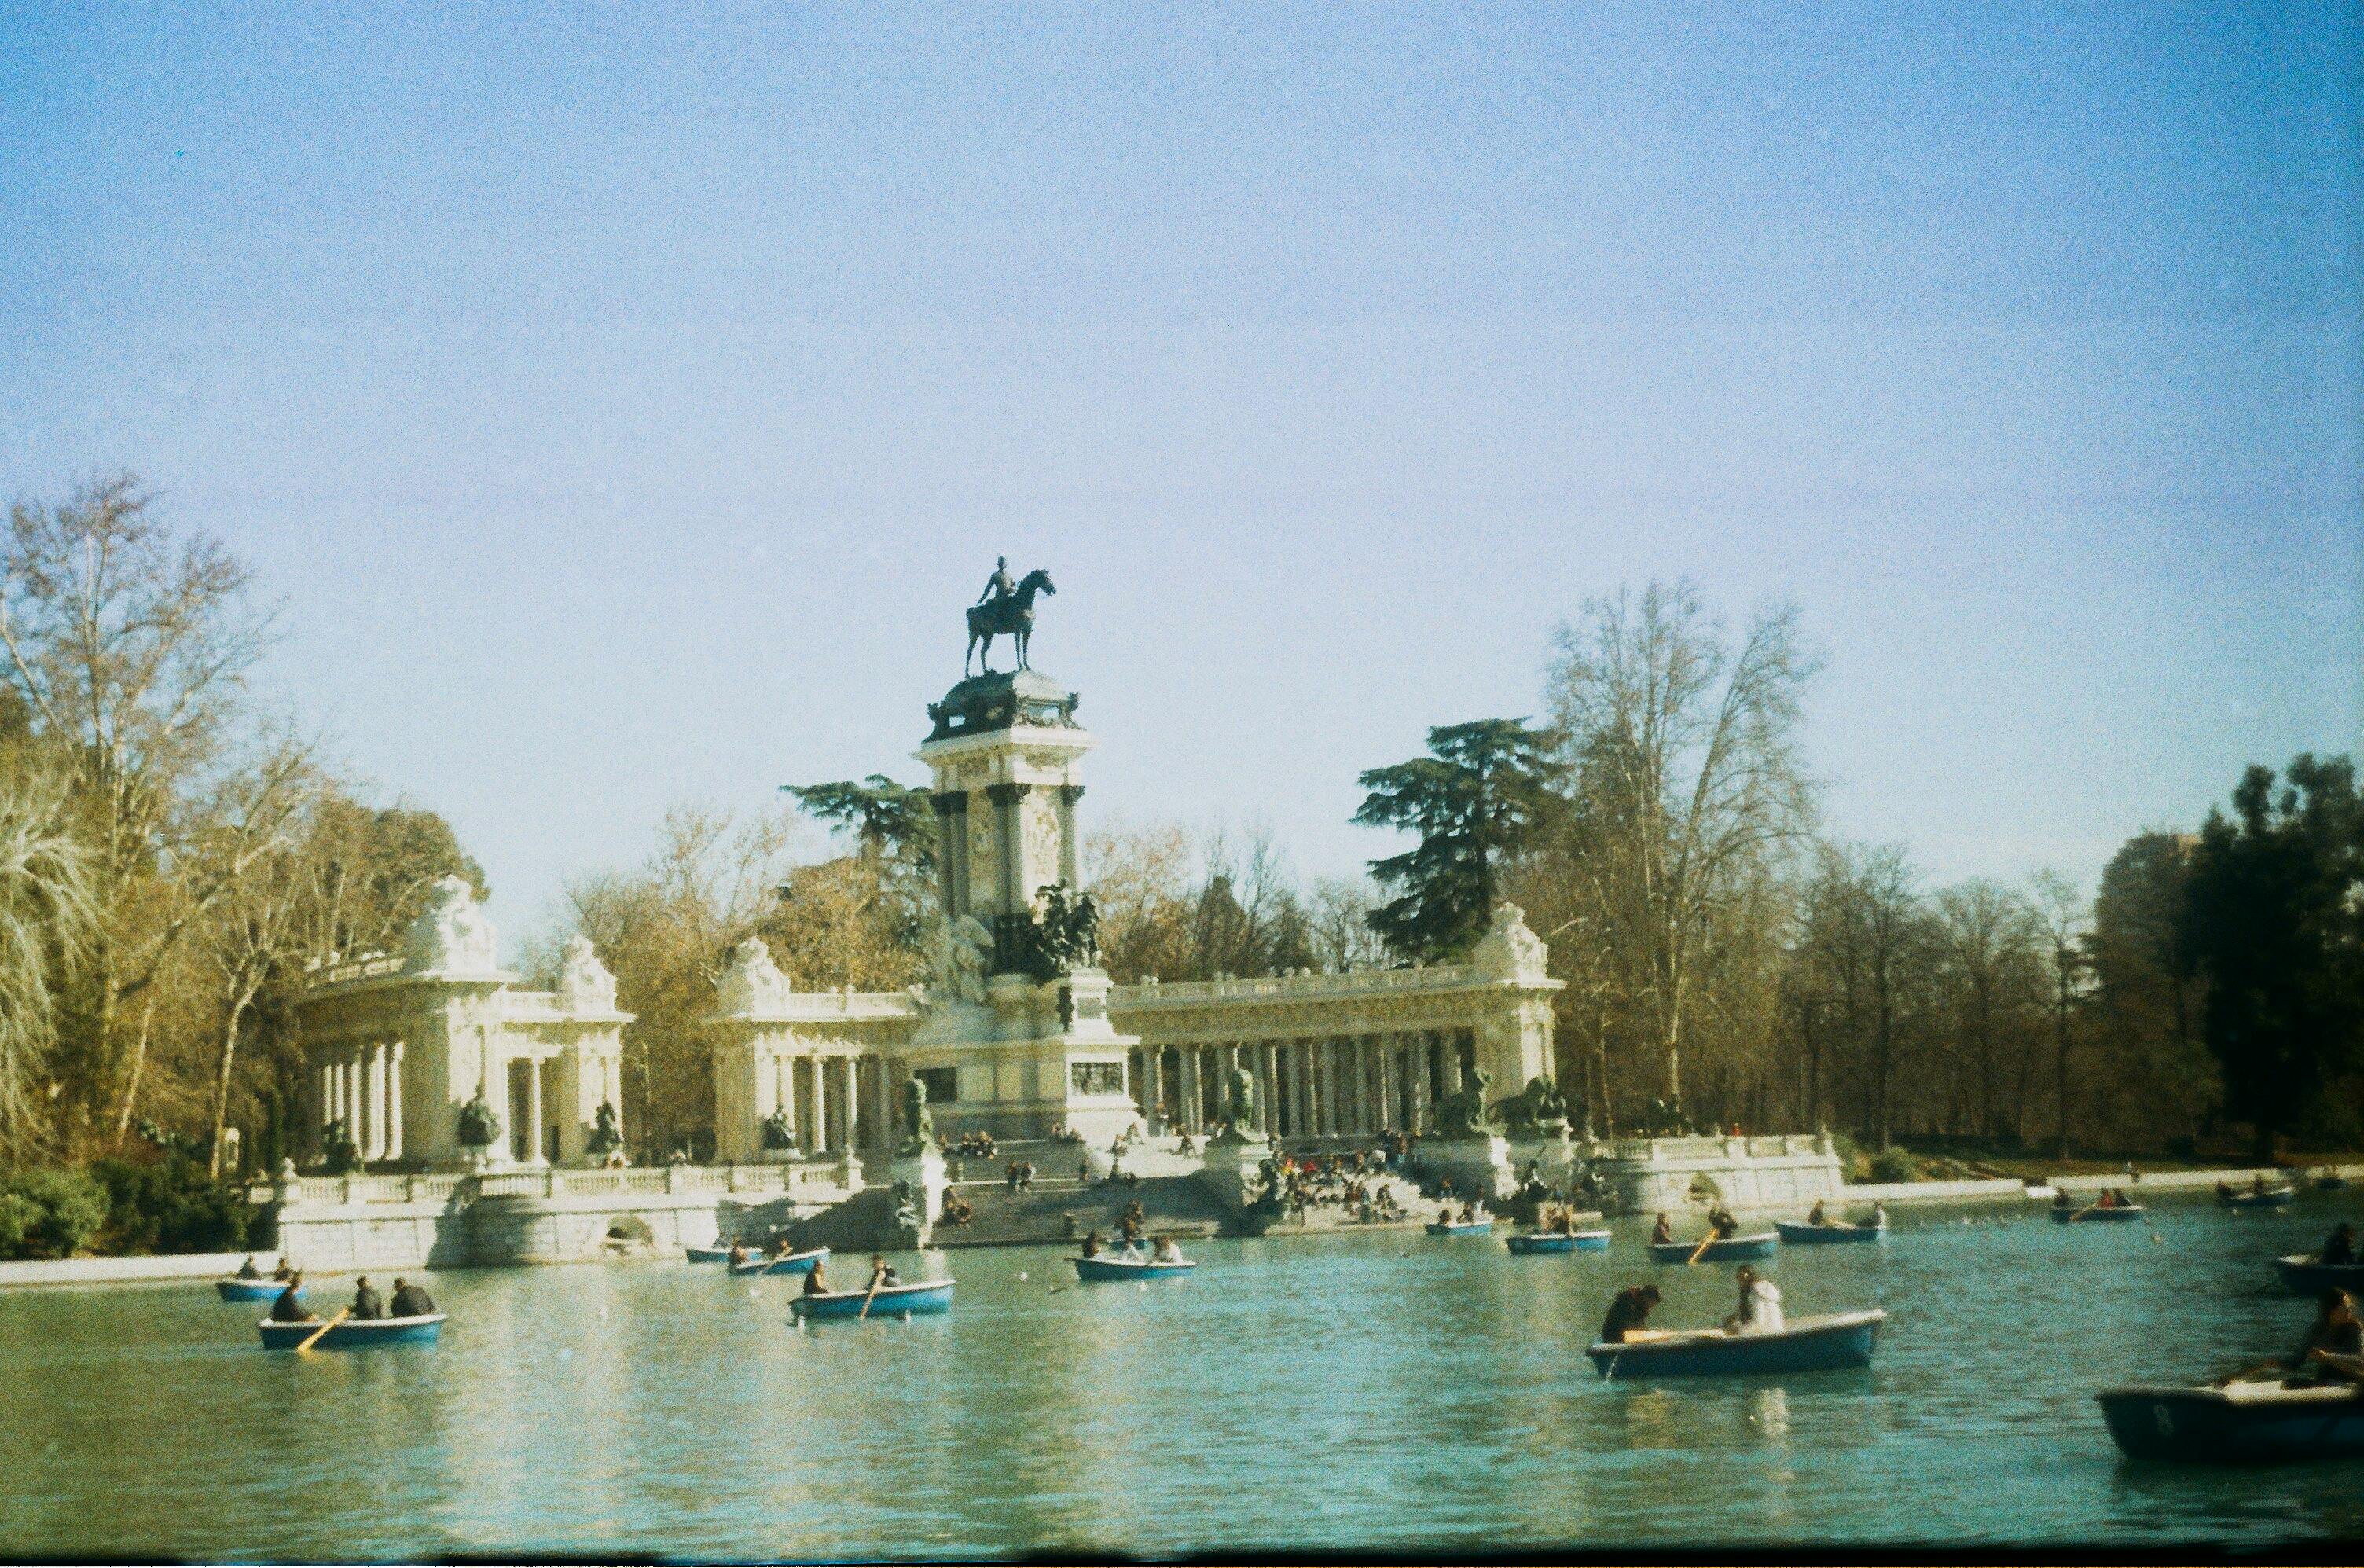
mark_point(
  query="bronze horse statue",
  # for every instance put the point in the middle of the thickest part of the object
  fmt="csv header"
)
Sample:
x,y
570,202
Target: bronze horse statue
x,y
1012,617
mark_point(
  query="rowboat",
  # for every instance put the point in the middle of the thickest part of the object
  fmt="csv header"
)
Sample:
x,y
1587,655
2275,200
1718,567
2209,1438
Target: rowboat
x,y
1461,1226
1807,1344
2120,1214
353,1333
1535,1241
1105,1269
1729,1249
2271,1198
789,1263
252,1289
2301,1273
2330,1182
708,1254
1798,1233
2241,1423
927,1296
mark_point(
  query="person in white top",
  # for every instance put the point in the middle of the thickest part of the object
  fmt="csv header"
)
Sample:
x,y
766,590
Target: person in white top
x,y
1760,1306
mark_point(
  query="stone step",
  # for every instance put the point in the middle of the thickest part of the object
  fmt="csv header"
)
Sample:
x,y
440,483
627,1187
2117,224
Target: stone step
x,y
1180,1205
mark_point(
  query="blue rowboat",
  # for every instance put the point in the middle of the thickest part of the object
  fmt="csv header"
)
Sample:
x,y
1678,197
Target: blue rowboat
x,y
1795,1233
2242,1423
1731,1249
352,1334
1460,1226
1537,1241
1104,1270
1808,1344
2125,1214
2271,1198
792,1263
708,1254
252,1289
927,1296
2301,1273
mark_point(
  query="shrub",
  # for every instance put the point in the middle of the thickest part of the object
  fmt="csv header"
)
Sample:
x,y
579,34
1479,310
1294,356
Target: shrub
x,y
48,1214
1850,1155
171,1207
1893,1164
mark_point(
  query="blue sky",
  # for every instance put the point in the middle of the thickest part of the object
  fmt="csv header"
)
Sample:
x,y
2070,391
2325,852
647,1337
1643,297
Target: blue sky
x,y
624,400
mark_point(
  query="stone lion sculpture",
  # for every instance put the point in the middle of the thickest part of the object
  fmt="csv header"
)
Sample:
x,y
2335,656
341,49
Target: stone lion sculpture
x,y
1537,1108
1465,1113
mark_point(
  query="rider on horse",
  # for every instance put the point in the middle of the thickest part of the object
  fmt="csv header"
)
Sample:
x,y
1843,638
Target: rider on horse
x,y
1001,585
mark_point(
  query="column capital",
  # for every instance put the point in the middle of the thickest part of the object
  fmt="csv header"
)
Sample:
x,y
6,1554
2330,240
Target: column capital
x,y
1008,794
950,802
1071,793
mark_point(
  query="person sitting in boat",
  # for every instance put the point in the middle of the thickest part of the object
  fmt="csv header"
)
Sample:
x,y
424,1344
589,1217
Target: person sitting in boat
x,y
247,1271
1720,1220
367,1302
1815,1215
284,1272
290,1307
1091,1244
2258,1183
2333,1349
1166,1251
2338,1247
1628,1312
410,1301
2062,1200
882,1273
1469,1214
2108,1199
813,1283
738,1253
1760,1306
1662,1233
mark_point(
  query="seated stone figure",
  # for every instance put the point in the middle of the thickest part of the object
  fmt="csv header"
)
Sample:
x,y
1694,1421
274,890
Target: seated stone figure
x,y
1465,1113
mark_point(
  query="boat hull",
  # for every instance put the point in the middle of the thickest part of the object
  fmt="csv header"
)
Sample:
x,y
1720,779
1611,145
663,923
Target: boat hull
x,y
1731,1249
708,1254
351,1335
1460,1228
794,1263
1809,1344
1541,1241
2126,1216
2250,1424
2302,1274
1794,1234
927,1295
252,1289
2273,1198
1113,1271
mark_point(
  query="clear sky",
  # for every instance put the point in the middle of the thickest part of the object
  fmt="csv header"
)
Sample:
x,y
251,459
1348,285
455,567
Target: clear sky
x,y
625,400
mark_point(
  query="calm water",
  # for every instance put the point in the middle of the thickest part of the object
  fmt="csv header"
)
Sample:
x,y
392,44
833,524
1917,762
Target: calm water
x,y
1380,1392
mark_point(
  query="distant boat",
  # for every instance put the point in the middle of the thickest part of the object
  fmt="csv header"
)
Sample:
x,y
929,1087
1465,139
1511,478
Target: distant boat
x,y
2271,1198
1106,1269
789,1263
2119,1214
1729,1249
927,1296
1461,1226
1808,1344
1796,1233
252,1289
2240,1422
2301,1273
2330,1182
353,1333
1538,1242
708,1254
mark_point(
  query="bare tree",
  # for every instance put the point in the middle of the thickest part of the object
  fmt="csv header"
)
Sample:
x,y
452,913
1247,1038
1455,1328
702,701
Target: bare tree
x,y
2062,917
1989,939
1688,791
48,918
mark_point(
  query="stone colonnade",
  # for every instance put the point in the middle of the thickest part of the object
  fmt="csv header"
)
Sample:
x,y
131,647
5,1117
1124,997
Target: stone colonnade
x,y
1340,1086
360,1085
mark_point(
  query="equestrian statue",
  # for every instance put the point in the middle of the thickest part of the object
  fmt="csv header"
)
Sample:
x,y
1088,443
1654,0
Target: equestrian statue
x,y
1005,609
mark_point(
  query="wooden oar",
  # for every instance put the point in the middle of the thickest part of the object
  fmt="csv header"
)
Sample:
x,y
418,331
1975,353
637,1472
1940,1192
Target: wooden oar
x,y
1705,1242
314,1338
864,1313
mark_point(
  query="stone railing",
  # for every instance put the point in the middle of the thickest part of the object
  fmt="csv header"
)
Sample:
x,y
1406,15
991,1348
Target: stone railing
x,y
1290,988
369,966
1763,1146
826,1172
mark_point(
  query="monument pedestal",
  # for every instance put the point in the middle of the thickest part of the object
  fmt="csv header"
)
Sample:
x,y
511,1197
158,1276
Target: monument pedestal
x,y
1231,1172
1478,1167
925,1172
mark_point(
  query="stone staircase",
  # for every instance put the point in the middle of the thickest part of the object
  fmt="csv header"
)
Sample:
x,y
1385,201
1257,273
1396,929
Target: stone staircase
x,y
1179,1205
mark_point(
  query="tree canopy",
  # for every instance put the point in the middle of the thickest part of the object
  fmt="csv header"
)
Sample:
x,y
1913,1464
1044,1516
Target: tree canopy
x,y
1477,798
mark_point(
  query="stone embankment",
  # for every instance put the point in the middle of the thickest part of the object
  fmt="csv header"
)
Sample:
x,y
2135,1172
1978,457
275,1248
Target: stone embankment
x,y
2086,1185
129,1271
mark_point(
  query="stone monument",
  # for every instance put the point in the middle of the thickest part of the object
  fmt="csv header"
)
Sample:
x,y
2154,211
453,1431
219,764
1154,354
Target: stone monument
x,y
1232,1164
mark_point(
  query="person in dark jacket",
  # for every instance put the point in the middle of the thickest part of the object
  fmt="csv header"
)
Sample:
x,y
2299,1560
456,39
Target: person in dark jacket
x,y
2339,1247
289,1307
1628,1311
410,1301
2333,1347
367,1302
247,1271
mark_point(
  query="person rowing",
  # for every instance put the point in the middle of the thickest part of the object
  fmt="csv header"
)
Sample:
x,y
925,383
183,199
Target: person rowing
x,y
1469,1214
2062,1200
290,1307
2338,1250
1721,1221
1091,1244
1661,1232
2333,1351
1629,1312
738,1253
284,1272
1816,1217
2258,1184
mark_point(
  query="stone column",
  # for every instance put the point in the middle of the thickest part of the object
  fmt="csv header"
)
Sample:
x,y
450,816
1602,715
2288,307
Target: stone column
x,y
355,1121
1071,867
1415,1048
537,1148
1390,1103
952,839
852,1107
1006,798
1268,1101
1189,1107
394,1103
1307,1125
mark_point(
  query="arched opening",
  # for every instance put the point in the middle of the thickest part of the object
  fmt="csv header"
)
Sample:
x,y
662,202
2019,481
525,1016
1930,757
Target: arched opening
x,y
630,1233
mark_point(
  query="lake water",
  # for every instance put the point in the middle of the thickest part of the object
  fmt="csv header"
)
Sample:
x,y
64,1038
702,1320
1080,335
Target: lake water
x,y
1387,1392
